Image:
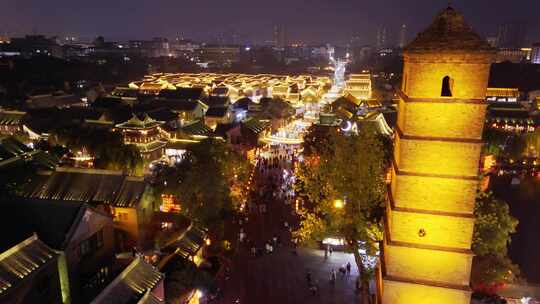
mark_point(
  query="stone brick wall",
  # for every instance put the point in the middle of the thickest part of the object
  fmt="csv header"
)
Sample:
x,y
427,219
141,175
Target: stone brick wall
x,y
405,293
444,231
433,193
468,73
437,157
428,265
435,119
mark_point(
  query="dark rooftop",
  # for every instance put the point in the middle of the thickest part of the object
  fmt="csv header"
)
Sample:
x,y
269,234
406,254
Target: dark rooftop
x,y
217,101
69,184
449,32
21,260
163,114
183,93
131,285
179,105
51,220
243,103
217,112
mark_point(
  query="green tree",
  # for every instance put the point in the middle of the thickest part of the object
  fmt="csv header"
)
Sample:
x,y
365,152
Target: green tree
x,y
508,144
210,183
493,227
349,170
495,141
532,143
107,148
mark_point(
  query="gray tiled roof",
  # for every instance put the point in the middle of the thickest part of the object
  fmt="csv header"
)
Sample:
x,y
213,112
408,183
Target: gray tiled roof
x,y
131,285
190,242
11,117
87,186
20,261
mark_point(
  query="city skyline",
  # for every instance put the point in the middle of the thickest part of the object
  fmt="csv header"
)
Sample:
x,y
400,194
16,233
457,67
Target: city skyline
x,y
320,21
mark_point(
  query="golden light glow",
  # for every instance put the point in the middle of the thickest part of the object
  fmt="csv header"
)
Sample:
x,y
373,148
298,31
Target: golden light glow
x,y
339,204
405,293
428,265
430,223
169,203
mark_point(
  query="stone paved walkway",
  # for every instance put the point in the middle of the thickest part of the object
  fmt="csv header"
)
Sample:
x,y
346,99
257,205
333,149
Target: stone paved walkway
x,y
280,277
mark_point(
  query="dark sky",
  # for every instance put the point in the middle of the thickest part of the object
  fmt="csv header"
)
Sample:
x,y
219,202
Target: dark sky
x,y
334,21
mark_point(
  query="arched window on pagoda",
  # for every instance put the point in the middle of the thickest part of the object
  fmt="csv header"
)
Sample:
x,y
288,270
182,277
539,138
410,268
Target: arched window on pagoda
x,y
446,87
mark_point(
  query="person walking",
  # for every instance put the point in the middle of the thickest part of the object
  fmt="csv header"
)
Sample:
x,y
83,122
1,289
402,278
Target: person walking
x,y
314,288
330,250
333,277
308,278
348,268
358,285
326,252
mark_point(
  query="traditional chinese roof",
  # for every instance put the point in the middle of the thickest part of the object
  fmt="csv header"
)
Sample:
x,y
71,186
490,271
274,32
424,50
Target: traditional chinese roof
x,y
217,101
377,121
136,123
189,243
149,298
179,105
53,221
13,151
448,32
21,260
10,147
223,90
69,184
217,112
130,192
183,93
243,103
255,125
131,285
222,129
197,128
162,114
11,117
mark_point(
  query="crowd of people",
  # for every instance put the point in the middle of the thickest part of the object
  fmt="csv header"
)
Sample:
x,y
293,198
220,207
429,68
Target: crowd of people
x,y
273,192
274,179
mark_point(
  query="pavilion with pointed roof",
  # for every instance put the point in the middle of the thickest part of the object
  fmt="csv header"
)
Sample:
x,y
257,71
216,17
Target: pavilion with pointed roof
x,y
145,134
136,123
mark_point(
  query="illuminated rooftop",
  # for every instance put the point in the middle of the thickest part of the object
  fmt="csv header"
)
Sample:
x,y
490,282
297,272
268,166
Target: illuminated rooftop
x,y
448,32
22,260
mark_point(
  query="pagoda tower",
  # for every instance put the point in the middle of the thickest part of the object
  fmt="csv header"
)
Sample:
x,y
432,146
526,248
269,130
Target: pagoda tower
x,y
429,216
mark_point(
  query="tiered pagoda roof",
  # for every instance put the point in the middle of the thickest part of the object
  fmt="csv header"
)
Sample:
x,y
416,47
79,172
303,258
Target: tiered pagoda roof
x,y
448,32
136,123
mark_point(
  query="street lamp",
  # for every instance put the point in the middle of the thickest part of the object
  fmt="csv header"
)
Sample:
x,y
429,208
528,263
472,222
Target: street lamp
x,y
339,204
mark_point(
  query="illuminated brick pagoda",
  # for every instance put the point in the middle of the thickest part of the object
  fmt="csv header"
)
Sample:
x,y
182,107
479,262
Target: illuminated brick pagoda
x,y
429,219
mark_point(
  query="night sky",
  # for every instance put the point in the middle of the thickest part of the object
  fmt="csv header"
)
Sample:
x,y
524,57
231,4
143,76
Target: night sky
x,y
307,21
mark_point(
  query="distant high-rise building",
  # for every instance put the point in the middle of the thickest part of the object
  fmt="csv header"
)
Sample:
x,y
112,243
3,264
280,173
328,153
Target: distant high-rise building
x,y
36,45
512,35
492,41
402,36
280,36
381,37
535,53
